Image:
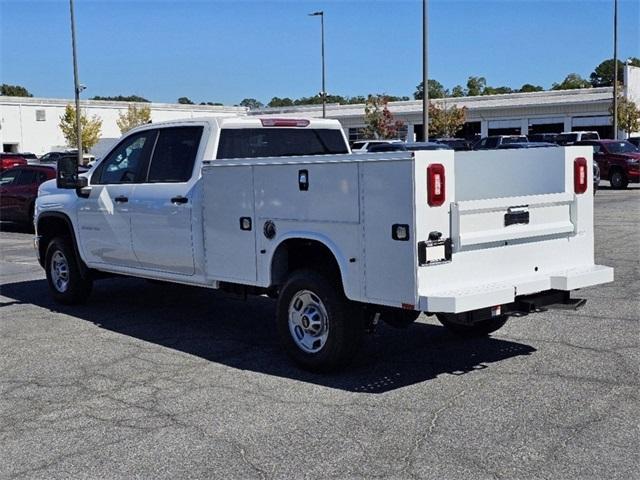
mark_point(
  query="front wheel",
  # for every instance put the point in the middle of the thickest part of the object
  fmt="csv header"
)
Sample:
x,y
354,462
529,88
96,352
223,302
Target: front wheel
x,y
66,283
618,179
478,329
316,324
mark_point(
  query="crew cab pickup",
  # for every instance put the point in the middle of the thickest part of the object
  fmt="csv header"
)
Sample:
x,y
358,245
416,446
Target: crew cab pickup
x,y
619,161
280,207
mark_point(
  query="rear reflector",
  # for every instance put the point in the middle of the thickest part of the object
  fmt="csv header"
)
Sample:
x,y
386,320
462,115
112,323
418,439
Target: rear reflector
x,y
284,122
580,176
435,184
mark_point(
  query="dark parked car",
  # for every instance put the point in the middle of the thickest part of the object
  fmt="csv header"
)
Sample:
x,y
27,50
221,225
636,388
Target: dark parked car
x,y
10,160
19,189
491,142
619,161
52,157
415,146
543,137
458,144
387,147
511,146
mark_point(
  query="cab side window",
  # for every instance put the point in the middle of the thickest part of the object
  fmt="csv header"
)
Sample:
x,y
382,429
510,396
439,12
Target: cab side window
x,y
174,155
127,163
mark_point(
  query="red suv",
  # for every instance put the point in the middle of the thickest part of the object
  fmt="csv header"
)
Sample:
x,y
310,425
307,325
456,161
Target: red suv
x,y
19,189
619,161
10,160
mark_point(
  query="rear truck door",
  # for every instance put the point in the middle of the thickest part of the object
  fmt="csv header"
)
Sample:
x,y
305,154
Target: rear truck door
x,y
162,205
104,208
517,222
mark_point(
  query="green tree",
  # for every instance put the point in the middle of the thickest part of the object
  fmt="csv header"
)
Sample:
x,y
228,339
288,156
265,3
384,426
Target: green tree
x,y
280,102
496,90
122,98
251,103
134,116
445,121
14,91
475,86
185,101
527,87
436,90
458,91
571,82
628,115
603,74
90,128
379,120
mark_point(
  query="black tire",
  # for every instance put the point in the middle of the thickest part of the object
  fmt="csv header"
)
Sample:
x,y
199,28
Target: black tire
x,y
618,179
479,329
70,288
344,327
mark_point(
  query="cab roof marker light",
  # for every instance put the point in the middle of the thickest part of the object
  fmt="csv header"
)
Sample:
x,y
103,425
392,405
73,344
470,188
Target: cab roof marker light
x,y
284,122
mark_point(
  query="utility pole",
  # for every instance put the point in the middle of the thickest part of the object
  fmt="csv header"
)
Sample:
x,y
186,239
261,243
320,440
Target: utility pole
x,y
425,70
323,93
615,69
76,83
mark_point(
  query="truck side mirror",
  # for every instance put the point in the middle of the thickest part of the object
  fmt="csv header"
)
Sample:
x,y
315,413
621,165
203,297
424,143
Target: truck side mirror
x,y
67,174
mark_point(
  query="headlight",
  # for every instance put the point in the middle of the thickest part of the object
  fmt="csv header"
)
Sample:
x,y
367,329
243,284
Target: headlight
x,y
633,161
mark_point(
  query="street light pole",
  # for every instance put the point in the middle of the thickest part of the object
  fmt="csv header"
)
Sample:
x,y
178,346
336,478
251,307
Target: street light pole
x,y
76,83
615,69
323,93
425,71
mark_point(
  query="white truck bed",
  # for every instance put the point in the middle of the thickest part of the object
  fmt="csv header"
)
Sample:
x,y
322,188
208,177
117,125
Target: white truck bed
x,y
353,202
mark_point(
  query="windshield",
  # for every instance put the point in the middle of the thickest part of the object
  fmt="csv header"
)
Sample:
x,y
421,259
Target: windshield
x,y
622,147
514,140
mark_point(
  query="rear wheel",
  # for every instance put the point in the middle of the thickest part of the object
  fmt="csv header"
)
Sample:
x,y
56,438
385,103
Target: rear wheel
x,y
316,324
478,329
618,179
66,282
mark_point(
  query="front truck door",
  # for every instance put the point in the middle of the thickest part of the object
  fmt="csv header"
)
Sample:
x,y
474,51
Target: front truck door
x,y
104,208
162,207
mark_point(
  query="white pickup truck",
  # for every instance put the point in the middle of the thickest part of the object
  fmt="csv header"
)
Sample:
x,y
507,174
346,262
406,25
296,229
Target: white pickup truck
x,y
280,207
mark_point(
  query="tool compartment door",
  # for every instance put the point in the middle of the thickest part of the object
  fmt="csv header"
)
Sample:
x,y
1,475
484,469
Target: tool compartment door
x,y
230,251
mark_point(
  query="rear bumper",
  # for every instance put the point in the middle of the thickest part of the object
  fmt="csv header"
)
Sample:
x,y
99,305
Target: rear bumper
x,y
505,292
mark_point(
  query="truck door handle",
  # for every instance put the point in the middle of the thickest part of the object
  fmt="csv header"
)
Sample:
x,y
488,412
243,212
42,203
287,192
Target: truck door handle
x,y
121,199
179,199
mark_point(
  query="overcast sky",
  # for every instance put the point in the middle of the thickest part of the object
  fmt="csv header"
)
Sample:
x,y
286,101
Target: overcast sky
x,y
224,51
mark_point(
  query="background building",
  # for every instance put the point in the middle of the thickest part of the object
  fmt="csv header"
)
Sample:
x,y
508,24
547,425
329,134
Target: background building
x,y
31,124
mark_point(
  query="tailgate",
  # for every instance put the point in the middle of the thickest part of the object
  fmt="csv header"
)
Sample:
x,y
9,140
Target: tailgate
x,y
514,222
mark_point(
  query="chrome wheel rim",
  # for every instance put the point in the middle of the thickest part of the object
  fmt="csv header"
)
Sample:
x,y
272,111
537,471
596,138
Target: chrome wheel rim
x,y
308,321
60,271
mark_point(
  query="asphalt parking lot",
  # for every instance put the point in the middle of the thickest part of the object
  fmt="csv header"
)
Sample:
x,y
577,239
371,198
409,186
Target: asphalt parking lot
x,y
161,381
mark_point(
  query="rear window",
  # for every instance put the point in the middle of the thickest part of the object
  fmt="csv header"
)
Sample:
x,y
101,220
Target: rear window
x,y
279,142
590,136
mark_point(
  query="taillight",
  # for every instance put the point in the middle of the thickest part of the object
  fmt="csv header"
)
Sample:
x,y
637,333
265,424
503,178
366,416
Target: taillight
x,y
435,184
284,122
580,176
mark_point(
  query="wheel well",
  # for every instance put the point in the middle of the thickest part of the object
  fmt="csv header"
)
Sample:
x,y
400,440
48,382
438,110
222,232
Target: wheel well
x,y
298,253
50,227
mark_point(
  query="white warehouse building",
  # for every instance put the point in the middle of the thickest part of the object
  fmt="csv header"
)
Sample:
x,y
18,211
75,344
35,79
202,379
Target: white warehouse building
x,y
32,124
